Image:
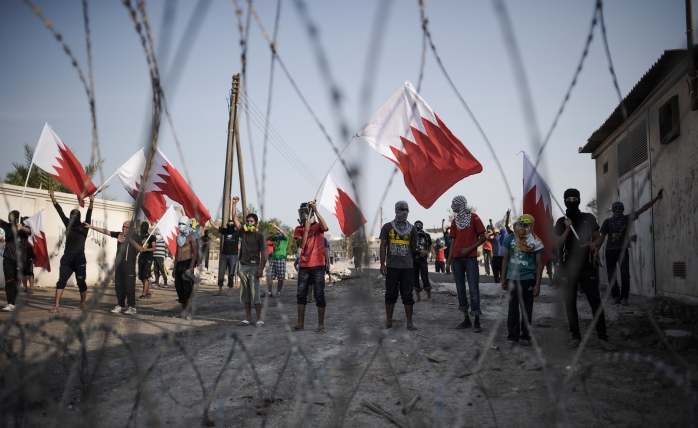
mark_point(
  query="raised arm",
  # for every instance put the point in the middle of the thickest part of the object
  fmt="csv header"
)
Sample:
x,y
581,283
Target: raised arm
x,y
320,220
649,204
97,229
58,208
233,210
506,222
443,225
280,230
88,216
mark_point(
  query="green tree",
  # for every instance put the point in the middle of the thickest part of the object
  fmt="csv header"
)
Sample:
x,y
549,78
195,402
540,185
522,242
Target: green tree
x,y
39,179
591,206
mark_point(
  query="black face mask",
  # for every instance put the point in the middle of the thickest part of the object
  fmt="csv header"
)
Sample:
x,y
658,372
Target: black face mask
x,y
572,205
76,214
419,228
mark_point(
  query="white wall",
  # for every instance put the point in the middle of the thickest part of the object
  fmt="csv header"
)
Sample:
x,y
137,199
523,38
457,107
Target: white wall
x,y
99,249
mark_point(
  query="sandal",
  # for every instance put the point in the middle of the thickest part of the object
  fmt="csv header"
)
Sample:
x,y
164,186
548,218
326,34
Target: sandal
x,y
244,323
148,295
142,296
320,330
218,293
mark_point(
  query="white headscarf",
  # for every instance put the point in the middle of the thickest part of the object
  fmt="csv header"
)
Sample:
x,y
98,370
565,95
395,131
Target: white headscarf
x,y
184,231
460,207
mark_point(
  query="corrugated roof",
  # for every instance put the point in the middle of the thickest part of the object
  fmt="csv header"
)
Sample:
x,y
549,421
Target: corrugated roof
x,y
661,69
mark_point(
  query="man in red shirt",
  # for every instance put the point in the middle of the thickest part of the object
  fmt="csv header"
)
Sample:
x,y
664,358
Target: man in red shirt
x,y
312,263
467,234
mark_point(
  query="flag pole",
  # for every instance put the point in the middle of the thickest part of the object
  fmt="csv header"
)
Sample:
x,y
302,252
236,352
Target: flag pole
x,y
549,191
155,226
333,164
25,184
105,183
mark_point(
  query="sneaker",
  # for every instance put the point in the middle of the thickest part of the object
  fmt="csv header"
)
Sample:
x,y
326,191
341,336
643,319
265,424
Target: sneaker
x,y
624,302
465,324
476,325
117,310
8,308
525,342
512,343
269,294
278,294
130,311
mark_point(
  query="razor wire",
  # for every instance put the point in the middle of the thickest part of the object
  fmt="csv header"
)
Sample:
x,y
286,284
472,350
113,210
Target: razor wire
x,y
73,349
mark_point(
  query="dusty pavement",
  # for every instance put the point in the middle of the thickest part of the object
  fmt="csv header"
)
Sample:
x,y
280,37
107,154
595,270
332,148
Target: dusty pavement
x,y
99,369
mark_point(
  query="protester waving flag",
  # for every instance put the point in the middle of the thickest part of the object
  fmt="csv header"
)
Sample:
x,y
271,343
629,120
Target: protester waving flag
x,y
536,202
37,240
338,202
54,157
408,132
131,176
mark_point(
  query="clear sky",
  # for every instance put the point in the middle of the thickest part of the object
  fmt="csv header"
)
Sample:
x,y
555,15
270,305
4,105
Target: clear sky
x,y
38,84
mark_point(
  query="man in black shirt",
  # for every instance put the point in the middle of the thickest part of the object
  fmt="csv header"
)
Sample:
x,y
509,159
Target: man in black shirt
x,y
145,259
577,264
127,248
73,260
228,259
617,247
13,257
204,243
420,264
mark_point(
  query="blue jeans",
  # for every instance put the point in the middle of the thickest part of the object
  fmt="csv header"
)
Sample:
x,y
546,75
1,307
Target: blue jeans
x,y
316,277
462,267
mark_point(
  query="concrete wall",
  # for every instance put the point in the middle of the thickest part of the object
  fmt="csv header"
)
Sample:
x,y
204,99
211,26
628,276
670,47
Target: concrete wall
x,y
99,249
673,167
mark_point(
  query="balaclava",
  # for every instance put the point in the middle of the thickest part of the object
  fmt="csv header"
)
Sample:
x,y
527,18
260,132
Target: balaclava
x,y
617,220
572,207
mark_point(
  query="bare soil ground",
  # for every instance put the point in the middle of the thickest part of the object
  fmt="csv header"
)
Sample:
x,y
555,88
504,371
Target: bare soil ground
x,y
107,370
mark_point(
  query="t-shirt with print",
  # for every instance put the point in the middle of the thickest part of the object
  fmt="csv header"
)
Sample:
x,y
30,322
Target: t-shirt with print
x,y
423,243
147,255
126,252
313,254
250,246
279,242
398,251
522,265
615,239
573,256
229,240
466,237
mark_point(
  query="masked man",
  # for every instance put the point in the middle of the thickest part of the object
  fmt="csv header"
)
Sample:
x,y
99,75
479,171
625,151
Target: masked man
x,y
185,259
13,256
252,260
420,264
467,233
577,266
312,263
398,244
73,260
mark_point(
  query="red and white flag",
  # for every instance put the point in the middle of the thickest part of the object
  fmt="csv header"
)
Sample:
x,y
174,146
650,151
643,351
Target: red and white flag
x,y
131,176
338,202
169,182
37,240
408,132
169,228
54,157
536,202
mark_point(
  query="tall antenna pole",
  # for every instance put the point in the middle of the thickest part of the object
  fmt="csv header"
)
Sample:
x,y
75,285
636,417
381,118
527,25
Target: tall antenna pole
x,y
241,170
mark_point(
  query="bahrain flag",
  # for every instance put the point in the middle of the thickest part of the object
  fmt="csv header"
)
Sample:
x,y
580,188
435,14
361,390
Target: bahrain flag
x,y
536,202
37,240
338,202
408,132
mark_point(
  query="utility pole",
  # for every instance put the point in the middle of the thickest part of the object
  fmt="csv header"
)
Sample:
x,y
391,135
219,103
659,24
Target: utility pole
x,y
243,196
230,149
381,225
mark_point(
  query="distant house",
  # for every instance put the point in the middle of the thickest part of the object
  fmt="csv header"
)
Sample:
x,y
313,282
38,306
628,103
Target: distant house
x,y
655,147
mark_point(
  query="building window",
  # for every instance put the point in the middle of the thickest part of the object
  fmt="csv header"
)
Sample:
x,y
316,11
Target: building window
x,y
605,167
669,127
632,149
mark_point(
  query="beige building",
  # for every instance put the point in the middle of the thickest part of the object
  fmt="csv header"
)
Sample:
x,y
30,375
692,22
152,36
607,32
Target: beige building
x,y
100,249
655,148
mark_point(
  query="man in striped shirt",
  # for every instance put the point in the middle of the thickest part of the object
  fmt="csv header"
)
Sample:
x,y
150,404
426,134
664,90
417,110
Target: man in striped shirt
x,y
159,260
